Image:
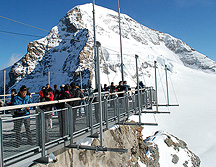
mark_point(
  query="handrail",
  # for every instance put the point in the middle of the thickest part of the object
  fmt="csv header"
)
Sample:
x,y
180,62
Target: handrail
x,y
57,101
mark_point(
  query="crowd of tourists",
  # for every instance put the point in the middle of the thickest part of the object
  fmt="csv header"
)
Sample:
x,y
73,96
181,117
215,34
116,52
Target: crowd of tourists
x,y
66,91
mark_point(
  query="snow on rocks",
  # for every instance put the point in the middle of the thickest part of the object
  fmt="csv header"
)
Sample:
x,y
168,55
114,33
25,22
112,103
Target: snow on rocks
x,y
165,149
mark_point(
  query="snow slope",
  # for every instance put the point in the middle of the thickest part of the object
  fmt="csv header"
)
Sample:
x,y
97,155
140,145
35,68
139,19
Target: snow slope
x,y
194,120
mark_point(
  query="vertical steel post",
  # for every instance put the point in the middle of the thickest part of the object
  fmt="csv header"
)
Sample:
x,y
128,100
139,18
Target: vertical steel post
x,y
99,92
4,86
127,104
167,85
155,66
118,109
80,79
91,116
71,122
136,57
133,102
49,77
1,145
106,112
43,132
95,56
122,68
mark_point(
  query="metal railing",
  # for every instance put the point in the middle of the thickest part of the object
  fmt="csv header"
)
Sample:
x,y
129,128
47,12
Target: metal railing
x,y
47,131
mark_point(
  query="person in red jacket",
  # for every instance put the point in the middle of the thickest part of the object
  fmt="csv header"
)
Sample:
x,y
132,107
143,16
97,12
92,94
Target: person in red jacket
x,y
41,92
51,95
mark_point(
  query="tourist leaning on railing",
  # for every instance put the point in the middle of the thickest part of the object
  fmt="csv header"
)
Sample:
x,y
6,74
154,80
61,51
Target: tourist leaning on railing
x,y
22,98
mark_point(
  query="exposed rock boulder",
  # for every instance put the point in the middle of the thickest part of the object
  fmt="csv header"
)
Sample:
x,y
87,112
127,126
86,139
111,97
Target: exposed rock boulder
x,y
159,150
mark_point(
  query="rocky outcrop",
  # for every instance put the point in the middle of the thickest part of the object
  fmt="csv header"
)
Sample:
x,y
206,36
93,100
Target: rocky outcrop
x,y
159,150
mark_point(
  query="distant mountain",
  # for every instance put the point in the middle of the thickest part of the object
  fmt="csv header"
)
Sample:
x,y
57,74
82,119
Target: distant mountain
x,y
69,47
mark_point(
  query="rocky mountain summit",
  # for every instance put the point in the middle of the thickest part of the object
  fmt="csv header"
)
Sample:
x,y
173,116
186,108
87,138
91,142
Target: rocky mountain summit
x,y
68,48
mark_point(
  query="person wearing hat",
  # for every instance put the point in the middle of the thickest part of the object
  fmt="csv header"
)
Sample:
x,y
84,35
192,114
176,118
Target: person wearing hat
x,y
22,98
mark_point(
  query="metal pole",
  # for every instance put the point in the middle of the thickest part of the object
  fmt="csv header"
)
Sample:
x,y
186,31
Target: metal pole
x,y
155,66
122,68
95,56
167,85
80,79
1,145
99,92
136,57
49,77
43,133
4,84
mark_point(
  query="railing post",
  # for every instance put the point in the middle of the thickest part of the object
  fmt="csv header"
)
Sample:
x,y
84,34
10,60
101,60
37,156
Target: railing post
x,y
136,56
115,106
99,93
70,121
133,103
106,112
151,95
167,85
118,109
127,104
1,145
91,115
43,138
4,86
155,66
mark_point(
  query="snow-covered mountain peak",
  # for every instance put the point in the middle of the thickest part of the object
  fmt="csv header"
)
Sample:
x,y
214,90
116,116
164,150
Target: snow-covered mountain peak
x,y
69,47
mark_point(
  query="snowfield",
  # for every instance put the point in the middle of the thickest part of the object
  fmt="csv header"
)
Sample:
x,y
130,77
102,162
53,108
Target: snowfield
x,y
194,120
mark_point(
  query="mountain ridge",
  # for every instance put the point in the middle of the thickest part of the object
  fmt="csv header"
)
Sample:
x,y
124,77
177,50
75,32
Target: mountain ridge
x,y
69,47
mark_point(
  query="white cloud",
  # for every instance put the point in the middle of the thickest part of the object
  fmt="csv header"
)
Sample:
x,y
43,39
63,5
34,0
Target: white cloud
x,y
14,58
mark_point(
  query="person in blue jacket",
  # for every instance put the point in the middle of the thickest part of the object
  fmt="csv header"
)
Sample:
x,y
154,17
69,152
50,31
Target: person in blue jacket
x,y
22,98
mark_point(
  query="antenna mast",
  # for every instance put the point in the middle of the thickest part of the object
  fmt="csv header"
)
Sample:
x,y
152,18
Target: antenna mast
x,y
122,70
95,57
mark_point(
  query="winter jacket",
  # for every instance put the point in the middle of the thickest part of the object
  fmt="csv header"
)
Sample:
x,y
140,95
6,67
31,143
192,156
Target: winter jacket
x,y
63,95
127,87
18,100
51,96
121,88
76,93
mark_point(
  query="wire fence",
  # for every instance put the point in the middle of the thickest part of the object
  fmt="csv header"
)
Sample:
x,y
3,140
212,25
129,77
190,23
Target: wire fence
x,y
64,124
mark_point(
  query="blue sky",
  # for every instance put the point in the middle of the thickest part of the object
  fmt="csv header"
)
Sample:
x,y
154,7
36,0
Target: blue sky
x,y
192,21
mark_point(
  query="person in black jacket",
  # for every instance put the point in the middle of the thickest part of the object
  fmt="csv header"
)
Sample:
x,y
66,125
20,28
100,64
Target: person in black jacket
x,y
46,108
112,90
56,92
75,93
120,88
62,115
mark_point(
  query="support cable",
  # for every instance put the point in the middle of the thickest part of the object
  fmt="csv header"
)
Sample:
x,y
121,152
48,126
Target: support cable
x,y
162,84
130,75
8,32
16,37
174,90
143,76
23,23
